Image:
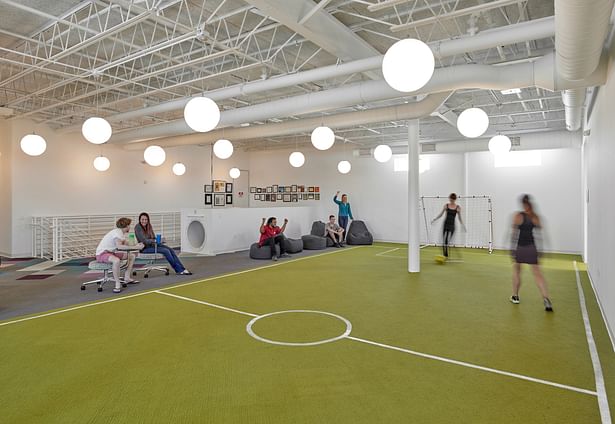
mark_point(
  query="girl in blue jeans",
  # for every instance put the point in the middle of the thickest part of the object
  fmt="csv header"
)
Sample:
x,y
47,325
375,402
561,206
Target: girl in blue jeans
x,y
145,234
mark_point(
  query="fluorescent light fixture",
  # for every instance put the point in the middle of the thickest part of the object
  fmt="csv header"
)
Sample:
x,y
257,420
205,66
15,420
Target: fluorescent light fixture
x,y
511,91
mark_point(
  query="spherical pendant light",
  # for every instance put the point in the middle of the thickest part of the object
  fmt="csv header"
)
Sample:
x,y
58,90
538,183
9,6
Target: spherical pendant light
x,y
179,169
96,130
101,163
473,122
296,159
499,144
33,145
154,155
234,173
323,138
408,65
202,114
383,153
344,167
223,149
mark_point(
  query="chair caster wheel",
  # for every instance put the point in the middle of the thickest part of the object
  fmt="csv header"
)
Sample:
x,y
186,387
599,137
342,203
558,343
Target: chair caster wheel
x,y
134,273
99,289
124,285
82,287
166,273
145,275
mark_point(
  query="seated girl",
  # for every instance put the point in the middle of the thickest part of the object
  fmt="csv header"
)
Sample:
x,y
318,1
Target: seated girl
x,y
145,234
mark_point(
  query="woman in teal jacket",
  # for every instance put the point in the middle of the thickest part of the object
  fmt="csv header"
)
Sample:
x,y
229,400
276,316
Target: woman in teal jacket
x,y
344,211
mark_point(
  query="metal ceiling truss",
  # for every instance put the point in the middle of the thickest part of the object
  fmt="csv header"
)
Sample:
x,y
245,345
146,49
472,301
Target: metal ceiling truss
x,y
113,56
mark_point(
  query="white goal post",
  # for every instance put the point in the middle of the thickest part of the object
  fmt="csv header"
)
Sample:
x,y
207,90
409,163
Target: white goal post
x,y
477,215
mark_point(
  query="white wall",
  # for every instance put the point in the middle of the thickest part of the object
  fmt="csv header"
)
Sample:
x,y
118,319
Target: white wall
x,y
5,188
600,176
63,181
555,187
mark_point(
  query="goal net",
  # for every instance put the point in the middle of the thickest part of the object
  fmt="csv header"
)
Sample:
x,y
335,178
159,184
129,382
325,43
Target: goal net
x,y
476,213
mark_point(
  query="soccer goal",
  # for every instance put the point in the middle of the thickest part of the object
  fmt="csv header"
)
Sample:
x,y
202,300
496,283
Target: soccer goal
x,y
477,215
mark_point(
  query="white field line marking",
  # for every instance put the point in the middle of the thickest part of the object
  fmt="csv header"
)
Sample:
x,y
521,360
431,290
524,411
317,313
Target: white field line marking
x,y
388,251
603,403
478,367
262,267
213,305
217,277
74,308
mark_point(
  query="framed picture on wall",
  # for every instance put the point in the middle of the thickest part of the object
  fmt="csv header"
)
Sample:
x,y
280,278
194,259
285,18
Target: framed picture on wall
x,y
310,196
269,189
229,199
273,197
208,198
294,197
219,186
317,196
287,189
311,189
305,196
208,188
301,188
228,188
219,199
267,197
252,189
279,196
293,188
281,189
257,197
286,197
317,189
258,190
274,188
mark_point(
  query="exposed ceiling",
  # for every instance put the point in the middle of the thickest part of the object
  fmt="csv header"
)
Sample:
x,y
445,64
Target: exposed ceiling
x,y
64,61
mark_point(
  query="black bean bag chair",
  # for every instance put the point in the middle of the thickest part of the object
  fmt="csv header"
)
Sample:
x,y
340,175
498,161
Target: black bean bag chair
x,y
316,240
293,245
257,252
358,234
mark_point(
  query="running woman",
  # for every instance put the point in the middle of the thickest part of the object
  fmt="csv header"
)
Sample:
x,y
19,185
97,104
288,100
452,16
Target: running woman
x,y
525,251
452,210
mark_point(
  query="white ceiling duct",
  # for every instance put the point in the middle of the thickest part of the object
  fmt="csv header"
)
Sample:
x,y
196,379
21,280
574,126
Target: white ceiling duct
x,y
540,73
526,31
341,120
580,32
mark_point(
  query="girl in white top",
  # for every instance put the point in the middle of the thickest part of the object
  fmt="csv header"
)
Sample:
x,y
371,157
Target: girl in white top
x,y
106,252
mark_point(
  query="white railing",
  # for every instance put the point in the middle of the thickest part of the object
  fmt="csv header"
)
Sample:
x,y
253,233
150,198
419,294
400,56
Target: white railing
x,y
63,237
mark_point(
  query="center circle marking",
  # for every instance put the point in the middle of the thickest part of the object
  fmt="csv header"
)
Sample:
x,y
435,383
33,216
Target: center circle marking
x,y
275,342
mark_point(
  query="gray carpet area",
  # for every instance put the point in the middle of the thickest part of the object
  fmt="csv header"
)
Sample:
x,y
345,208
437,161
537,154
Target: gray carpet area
x,y
32,296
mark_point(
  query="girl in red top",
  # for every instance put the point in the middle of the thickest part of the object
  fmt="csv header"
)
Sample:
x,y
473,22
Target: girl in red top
x,y
272,234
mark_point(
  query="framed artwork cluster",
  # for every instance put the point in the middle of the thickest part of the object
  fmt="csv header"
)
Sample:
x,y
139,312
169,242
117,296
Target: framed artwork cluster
x,y
285,193
218,193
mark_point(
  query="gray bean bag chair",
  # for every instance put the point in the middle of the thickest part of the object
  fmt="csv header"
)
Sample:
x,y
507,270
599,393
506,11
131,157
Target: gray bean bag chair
x,y
358,234
293,245
257,252
316,240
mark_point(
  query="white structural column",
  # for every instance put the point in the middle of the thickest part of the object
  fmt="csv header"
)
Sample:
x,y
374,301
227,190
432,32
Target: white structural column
x,y
414,263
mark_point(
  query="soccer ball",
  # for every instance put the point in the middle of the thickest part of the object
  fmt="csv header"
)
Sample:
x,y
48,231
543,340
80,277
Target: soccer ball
x,y
440,260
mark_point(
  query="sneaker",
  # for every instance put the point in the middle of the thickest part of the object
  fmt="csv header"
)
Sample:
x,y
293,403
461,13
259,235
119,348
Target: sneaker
x,y
117,290
185,272
337,245
274,258
548,305
284,255
514,299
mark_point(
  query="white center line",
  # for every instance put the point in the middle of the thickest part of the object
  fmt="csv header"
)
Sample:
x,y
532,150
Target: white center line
x,y
213,305
477,367
603,402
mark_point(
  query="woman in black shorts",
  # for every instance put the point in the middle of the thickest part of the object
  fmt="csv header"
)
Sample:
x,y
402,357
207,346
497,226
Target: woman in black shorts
x,y
452,210
525,251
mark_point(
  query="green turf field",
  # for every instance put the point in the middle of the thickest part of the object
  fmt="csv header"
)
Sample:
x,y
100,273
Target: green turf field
x,y
442,346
